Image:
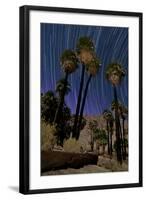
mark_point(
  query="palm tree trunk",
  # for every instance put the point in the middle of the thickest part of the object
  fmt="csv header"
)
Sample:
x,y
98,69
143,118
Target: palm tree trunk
x,y
78,101
103,149
117,121
61,102
97,148
111,142
121,139
82,107
124,145
92,142
107,127
92,146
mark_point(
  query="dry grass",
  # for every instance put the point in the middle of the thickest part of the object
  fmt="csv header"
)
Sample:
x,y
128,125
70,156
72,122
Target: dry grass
x,y
48,138
112,164
73,145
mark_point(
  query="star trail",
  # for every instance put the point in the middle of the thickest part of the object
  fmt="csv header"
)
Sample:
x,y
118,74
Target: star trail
x,y
111,44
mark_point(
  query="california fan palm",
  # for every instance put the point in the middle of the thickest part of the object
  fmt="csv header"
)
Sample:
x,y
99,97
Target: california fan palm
x,y
85,53
123,114
85,50
114,73
92,68
109,126
69,64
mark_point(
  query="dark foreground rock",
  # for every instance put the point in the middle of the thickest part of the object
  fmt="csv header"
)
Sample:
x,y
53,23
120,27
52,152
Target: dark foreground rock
x,y
83,170
54,160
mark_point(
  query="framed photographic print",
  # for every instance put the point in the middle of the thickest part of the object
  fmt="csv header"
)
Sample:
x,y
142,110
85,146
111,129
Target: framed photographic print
x,y
80,99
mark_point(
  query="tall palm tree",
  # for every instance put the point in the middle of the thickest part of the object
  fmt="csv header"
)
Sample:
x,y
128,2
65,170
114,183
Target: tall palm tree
x,y
123,114
109,126
114,74
69,65
116,106
92,68
85,49
85,52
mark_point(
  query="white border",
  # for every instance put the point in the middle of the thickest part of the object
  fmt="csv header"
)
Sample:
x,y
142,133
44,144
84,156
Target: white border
x,y
45,182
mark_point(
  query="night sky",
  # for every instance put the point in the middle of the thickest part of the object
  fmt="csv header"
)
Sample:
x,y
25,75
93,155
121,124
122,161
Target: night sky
x,y
111,44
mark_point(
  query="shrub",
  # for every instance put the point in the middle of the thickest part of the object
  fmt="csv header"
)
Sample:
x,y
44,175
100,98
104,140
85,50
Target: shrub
x,y
48,138
49,103
73,145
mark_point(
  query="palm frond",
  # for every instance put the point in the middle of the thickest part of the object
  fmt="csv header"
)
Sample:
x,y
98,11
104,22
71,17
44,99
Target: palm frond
x,y
84,43
94,63
115,67
61,84
68,55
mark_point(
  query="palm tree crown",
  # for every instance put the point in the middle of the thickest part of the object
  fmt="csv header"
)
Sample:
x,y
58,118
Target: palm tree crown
x,y
85,50
60,86
93,66
100,134
69,61
122,110
114,73
107,115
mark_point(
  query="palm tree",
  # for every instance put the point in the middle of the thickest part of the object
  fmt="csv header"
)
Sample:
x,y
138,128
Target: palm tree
x,y
114,74
85,52
48,106
85,49
92,68
102,138
115,107
125,142
93,124
96,133
109,126
123,114
111,123
69,65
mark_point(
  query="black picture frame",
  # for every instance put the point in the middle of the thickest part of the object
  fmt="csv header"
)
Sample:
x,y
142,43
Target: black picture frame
x,y
25,105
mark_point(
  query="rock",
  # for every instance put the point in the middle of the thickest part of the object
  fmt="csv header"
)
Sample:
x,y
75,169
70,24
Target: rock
x,y
54,160
58,148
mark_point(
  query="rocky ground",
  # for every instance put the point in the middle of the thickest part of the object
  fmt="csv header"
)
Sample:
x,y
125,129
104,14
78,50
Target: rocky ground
x,y
104,164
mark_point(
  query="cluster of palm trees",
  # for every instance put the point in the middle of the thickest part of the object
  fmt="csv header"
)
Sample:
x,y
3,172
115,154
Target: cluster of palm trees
x,y
49,103
98,137
115,73
122,113
83,56
102,139
110,120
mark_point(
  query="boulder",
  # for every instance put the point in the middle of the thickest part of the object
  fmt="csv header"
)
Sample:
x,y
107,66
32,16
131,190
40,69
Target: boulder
x,y
54,160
